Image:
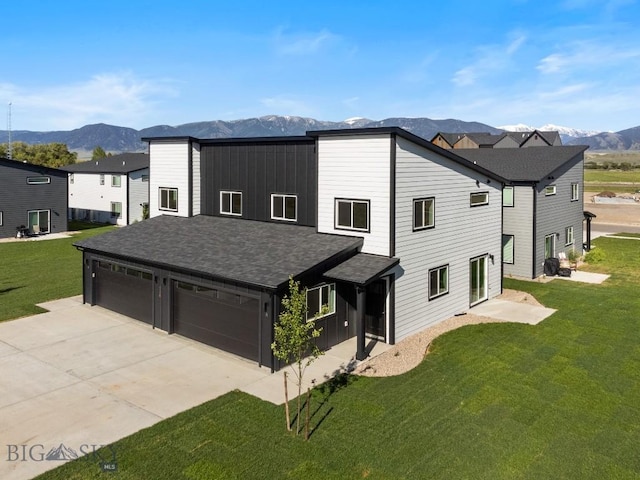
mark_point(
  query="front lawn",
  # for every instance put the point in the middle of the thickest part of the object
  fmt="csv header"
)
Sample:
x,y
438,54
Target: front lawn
x,y
498,401
37,271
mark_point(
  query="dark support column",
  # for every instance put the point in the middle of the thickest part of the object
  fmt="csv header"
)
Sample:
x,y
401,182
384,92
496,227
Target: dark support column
x,y
361,353
588,233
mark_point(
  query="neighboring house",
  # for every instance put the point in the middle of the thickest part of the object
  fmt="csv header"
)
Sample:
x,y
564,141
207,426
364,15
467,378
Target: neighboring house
x,y
32,196
501,140
542,199
391,232
109,190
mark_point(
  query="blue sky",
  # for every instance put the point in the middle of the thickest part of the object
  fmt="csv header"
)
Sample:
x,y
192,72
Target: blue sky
x,y
137,63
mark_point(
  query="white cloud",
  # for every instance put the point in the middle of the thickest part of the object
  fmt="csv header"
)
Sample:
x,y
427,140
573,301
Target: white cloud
x,y
581,55
302,43
351,102
115,98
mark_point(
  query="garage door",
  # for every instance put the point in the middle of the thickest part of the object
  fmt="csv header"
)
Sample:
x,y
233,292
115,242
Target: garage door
x,y
125,290
220,319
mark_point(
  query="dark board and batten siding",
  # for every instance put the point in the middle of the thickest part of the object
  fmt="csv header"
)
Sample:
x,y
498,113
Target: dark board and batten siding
x,y
258,170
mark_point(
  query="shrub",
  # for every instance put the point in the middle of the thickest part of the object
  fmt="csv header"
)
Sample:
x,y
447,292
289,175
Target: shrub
x,y
595,256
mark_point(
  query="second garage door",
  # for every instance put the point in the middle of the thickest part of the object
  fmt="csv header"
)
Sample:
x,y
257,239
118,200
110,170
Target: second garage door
x,y
221,319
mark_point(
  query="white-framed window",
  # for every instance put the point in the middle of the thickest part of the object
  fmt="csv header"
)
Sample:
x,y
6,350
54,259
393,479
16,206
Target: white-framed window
x,y
71,179
41,180
319,297
550,190
507,196
231,203
168,199
352,214
575,192
424,213
0,218
479,198
507,248
116,209
102,179
145,178
116,181
284,207
568,235
438,281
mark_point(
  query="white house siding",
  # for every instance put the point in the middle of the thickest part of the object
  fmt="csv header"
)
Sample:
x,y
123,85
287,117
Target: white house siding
x,y
169,162
556,212
518,221
460,234
88,200
138,194
196,185
356,167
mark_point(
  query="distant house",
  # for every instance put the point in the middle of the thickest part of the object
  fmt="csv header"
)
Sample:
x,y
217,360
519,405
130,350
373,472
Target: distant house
x,y
501,140
542,203
109,190
32,196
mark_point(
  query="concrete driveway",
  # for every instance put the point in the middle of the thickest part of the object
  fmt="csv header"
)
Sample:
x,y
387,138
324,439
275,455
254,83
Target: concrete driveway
x,y
83,376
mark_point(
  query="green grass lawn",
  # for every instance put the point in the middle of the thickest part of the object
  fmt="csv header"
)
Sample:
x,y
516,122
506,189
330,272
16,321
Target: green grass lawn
x,y
499,401
604,176
37,271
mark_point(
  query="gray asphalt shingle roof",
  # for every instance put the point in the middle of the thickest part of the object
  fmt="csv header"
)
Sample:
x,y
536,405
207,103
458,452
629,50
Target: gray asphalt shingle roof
x,y
362,268
522,164
123,163
246,251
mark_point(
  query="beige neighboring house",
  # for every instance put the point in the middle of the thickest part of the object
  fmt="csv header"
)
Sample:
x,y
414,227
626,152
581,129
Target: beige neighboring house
x,y
535,138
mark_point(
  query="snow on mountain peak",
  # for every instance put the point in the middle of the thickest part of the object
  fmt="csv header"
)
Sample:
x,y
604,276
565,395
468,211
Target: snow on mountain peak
x,y
520,127
563,131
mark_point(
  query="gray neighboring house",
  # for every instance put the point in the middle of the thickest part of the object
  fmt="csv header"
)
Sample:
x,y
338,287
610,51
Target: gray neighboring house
x,y
542,202
109,190
32,196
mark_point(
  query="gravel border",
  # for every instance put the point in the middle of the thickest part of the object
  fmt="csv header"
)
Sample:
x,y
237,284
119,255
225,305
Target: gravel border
x,y
408,353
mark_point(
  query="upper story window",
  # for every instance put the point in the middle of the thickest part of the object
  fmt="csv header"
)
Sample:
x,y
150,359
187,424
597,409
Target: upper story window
x,y
116,209
550,190
116,180
284,207
575,192
102,179
231,203
479,198
352,214
424,213
71,178
168,199
507,197
319,298
43,180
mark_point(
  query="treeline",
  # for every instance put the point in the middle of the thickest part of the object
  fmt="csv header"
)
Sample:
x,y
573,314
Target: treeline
x,y
48,154
624,166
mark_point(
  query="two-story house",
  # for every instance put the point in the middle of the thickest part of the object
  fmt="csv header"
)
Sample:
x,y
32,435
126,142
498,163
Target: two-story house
x,y
31,196
542,199
390,232
109,190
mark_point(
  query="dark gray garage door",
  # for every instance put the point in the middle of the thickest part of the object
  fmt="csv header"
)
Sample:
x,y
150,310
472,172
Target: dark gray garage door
x,y
125,290
220,319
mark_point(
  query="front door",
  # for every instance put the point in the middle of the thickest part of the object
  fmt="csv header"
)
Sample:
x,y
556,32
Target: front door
x,y
39,221
375,309
478,280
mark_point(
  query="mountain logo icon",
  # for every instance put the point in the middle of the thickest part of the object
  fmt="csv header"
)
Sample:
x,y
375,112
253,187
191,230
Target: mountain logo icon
x,y
61,452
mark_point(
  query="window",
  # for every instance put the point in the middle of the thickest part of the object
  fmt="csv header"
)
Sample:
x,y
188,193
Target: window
x,y
575,192
438,281
507,249
0,218
507,197
116,209
168,199
568,235
284,207
231,203
38,180
423,213
352,214
550,190
102,179
479,198
318,297
115,180
550,246
71,178
145,178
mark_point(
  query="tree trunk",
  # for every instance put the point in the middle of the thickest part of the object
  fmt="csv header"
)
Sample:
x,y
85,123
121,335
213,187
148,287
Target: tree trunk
x,y
286,403
306,423
299,395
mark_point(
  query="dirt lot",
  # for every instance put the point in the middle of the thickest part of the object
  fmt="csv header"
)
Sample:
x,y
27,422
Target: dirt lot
x,y
615,214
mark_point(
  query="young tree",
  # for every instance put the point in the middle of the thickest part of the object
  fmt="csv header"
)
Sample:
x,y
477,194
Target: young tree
x,y
98,153
294,338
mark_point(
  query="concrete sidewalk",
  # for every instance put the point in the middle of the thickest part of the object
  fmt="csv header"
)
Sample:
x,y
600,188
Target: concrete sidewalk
x,y
509,311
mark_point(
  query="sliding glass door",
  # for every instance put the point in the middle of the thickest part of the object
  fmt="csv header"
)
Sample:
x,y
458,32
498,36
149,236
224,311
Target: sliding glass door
x,y
478,280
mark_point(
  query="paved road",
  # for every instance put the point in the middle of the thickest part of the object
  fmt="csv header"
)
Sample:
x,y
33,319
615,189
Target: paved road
x,y
602,228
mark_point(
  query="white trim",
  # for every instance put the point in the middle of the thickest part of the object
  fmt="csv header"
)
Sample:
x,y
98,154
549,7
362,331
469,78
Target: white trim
x,y
442,292
231,194
284,198
0,218
351,202
568,230
168,207
425,224
484,195
39,180
332,300
29,212
549,190
512,190
577,191
113,181
486,280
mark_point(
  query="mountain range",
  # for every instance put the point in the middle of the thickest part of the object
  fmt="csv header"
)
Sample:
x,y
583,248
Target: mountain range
x,y
122,139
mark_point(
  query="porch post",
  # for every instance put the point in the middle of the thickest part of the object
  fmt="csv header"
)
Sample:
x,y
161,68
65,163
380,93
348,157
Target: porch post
x,y
588,234
361,354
